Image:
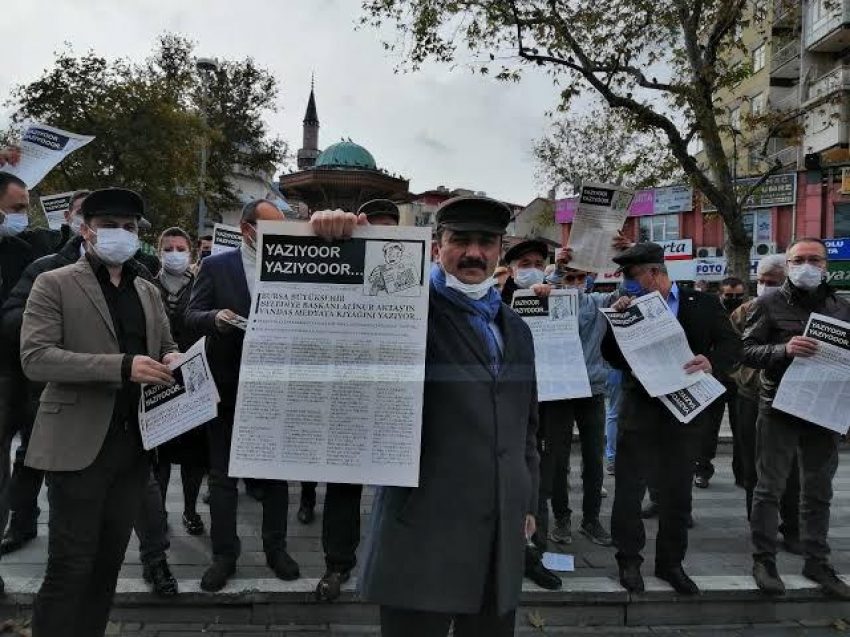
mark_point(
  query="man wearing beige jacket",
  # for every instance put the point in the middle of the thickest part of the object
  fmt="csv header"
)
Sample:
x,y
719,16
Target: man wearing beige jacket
x,y
94,331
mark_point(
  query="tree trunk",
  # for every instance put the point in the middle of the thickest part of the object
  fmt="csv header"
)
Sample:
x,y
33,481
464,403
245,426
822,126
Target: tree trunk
x,y
738,258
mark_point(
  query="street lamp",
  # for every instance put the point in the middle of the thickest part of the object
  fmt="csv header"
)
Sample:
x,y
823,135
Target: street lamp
x,y
207,67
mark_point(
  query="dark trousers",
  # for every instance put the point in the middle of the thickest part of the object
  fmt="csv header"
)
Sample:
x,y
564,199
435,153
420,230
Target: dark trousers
x,y
556,427
779,438
308,494
91,514
151,524
191,476
224,497
648,435
711,423
341,526
24,488
745,440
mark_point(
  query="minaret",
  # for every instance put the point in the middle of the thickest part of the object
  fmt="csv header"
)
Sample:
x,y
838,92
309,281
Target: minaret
x,y
309,150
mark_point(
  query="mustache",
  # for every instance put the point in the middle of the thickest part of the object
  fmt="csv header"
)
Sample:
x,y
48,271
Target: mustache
x,y
471,263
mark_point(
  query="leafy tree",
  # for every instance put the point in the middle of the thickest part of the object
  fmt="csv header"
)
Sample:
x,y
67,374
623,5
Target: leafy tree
x,y
150,121
663,62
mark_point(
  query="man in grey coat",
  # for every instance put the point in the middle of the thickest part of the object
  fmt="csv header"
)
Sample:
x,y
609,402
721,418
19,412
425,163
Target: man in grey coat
x,y
452,550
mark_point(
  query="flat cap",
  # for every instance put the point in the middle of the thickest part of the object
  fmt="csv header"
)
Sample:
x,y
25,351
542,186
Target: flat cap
x,y
535,246
640,254
377,207
472,213
116,202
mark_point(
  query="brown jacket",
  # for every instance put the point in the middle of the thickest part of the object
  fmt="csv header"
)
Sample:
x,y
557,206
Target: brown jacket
x,y
746,378
68,341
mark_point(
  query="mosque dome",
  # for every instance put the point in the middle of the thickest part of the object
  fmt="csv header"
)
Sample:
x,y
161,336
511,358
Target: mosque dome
x,y
346,154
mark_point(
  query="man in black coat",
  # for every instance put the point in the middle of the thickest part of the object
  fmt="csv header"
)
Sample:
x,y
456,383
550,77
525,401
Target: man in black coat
x,y
648,432
451,551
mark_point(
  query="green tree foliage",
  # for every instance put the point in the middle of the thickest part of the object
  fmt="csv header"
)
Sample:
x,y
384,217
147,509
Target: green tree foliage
x,y
662,62
150,120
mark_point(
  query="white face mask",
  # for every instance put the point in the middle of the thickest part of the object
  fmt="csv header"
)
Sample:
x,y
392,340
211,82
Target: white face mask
x,y
14,224
805,276
474,291
250,245
175,262
76,224
526,277
115,246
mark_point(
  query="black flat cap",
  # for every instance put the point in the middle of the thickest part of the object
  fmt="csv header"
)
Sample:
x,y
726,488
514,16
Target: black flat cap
x,y
377,207
640,254
472,213
116,202
524,247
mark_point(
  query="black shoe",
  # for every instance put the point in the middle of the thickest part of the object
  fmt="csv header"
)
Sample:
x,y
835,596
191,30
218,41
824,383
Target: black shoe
x,y
14,540
823,574
595,532
193,524
630,577
701,482
650,510
330,585
542,576
216,576
306,514
159,575
767,577
283,565
792,544
678,579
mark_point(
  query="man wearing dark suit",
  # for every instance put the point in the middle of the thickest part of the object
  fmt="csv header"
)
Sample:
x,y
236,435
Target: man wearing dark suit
x,y
222,291
452,550
648,432
93,331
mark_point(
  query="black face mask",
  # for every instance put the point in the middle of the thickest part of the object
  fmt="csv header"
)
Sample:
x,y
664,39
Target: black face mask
x,y
204,254
732,303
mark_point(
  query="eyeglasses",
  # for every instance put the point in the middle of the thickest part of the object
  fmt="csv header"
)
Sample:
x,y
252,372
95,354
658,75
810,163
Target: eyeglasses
x,y
813,260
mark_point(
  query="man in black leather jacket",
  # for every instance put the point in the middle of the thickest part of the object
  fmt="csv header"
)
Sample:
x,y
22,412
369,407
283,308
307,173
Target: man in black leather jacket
x,y
772,339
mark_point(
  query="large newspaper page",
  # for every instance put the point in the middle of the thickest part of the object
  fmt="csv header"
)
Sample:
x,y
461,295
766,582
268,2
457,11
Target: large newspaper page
x,y
55,207
654,344
42,148
601,213
688,403
559,359
225,238
817,388
333,365
167,411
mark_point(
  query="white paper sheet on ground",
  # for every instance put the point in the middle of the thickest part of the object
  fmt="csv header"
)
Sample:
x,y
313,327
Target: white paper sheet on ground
x,y
42,148
817,389
688,403
559,562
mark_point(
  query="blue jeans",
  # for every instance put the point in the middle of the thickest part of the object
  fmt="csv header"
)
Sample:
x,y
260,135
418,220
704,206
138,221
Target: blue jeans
x,y
614,395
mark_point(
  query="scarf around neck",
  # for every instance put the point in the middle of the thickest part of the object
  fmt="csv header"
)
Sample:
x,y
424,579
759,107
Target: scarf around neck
x,y
480,313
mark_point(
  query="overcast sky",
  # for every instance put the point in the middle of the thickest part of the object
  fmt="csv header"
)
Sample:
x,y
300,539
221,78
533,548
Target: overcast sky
x,y
435,127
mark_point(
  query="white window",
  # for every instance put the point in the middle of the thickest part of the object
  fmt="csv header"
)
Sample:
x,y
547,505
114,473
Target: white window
x,y
758,58
658,227
735,119
758,104
759,225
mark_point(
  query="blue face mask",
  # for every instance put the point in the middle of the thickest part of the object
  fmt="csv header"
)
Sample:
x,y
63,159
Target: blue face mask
x,y
632,287
589,281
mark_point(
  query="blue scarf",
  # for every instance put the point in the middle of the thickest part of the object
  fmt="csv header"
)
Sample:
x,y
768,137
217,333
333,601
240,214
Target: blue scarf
x,y
479,313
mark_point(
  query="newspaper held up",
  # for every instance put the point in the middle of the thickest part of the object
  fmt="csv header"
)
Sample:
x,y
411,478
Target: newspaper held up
x,y
688,403
55,207
167,411
654,344
601,213
42,148
817,388
225,238
333,362
559,359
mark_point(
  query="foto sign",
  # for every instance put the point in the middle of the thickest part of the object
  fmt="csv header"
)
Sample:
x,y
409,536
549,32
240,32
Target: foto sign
x,y
716,269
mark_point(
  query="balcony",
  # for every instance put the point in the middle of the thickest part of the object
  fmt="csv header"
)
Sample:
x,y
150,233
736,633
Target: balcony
x,y
787,157
829,32
785,15
835,80
785,60
786,101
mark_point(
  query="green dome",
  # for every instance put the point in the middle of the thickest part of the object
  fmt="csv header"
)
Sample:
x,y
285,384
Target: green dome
x,y
346,154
